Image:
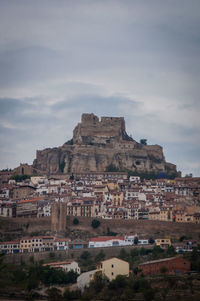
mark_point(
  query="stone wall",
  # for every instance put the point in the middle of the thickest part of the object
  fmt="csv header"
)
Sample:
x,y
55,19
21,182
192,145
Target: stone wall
x,y
18,227
67,254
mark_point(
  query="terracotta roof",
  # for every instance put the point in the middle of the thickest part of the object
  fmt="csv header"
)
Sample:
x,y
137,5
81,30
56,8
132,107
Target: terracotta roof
x,y
58,263
62,239
9,242
29,201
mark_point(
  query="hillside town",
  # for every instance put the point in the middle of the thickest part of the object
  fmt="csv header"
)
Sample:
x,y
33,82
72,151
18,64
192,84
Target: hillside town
x,y
106,195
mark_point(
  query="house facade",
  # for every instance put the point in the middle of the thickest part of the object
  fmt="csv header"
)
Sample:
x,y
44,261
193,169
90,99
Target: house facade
x,y
170,266
113,267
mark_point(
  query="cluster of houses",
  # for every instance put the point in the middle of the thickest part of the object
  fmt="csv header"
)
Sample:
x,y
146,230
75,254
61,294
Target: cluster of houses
x,y
112,267
50,243
109,195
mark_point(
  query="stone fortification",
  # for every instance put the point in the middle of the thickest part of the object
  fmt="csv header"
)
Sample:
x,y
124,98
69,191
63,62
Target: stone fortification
x,y
97,144
91,130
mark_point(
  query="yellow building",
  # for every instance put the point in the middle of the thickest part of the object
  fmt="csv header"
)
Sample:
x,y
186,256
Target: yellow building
x,y
166,215
154,215
113,267
163,243
36,244
113,186
117,198
81,209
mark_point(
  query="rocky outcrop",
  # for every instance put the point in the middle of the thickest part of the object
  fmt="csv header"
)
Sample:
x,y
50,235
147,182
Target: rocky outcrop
x,y
97,144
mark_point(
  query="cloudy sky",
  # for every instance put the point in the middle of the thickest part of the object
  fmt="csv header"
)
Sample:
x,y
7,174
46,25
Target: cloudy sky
x,y
133,58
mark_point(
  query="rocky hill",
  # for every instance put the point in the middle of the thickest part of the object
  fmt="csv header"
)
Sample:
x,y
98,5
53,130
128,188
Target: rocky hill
x,y
98,144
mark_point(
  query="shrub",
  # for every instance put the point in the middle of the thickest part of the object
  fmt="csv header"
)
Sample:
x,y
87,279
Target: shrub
x,y
52,255
75,221
151,240
95,223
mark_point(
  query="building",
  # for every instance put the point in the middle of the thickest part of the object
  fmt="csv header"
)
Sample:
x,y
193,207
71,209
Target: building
x,y
106,241
44,208
112,241
27,208
163,243
166,214
61,244
113,267
9,247
78,244
36,244
101,175
23,191
67,266
48,243
31,244
8,209
170,266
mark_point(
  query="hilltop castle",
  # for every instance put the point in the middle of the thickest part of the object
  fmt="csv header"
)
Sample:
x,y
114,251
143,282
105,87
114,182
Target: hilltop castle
x,y
98,144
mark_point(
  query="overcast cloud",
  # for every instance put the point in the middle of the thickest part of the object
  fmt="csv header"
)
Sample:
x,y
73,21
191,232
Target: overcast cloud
x,y
137,59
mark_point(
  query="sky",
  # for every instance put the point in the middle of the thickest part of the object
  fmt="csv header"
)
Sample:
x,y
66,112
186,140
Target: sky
x,y
132,58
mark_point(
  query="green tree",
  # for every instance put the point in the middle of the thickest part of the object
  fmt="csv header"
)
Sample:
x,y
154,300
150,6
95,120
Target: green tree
x,y
143,141
134,252
98,283
20,178
52,255
171,251
100,256
151,240
54,294
62,166
75,221
119,282
123,254
95,223
112,168
85,255
72,177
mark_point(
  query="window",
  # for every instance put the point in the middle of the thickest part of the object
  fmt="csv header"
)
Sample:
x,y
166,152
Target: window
x,y
112,265
112,273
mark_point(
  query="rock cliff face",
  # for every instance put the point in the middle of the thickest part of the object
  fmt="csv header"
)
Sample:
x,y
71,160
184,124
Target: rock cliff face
x,y
97,144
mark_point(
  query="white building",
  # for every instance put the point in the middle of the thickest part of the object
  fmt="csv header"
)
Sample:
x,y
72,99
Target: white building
x,y
110,241
44,209
61,244
69,265
9,247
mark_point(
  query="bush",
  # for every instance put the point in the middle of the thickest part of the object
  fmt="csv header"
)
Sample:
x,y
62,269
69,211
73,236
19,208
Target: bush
x,y
20,178
100,256
112,168
85,255
52,255
54,294
151,240
95,223
76,221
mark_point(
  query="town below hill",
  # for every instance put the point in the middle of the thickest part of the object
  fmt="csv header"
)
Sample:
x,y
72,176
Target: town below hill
x,y
108,195
108,232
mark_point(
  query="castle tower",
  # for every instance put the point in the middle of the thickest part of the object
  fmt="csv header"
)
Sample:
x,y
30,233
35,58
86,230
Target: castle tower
x,y
58,216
